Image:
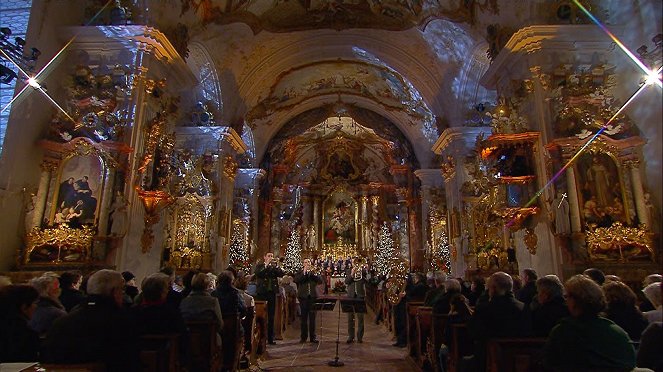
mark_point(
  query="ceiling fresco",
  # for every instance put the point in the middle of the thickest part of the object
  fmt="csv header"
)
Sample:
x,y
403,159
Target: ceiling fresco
x,y
377,83
296,15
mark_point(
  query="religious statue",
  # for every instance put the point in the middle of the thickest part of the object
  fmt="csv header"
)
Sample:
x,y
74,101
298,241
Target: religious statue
x,y
310,242
561,208
119,216
30,212
598,181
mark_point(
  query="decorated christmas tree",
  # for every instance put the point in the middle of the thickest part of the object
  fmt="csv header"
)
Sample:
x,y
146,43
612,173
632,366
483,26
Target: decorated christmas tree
x,y
441,255
385,252
293,252
239,244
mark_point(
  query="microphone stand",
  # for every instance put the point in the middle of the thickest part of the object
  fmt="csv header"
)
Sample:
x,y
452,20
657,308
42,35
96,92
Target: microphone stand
x,y
336,362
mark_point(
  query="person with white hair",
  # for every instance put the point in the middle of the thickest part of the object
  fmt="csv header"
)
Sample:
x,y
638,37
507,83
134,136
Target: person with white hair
x,y
97,331
49,307
653,293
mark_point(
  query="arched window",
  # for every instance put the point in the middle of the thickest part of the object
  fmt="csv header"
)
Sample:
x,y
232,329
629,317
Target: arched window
x,y
202,66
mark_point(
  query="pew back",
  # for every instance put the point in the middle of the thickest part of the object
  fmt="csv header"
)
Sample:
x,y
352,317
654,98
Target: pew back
x,y
515,354
159,352
204,350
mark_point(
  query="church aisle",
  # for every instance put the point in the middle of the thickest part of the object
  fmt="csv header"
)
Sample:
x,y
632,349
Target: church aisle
x,y
374,354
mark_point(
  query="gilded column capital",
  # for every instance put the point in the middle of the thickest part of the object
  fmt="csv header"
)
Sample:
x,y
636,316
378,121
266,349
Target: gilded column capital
x,y
375,200
631,163
49,165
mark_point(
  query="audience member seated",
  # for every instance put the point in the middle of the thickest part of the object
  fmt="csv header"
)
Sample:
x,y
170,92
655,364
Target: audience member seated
x,y
586,341
443,305
98,330
612,278
241,284
595,274
49,307
477,289
174,297
154,315
18,342
130,288
645,304
501,316
653,294
200,305
417,291
228,296
437,290
621,309
70,284
460,313
551,307
649,352
186,281
528,292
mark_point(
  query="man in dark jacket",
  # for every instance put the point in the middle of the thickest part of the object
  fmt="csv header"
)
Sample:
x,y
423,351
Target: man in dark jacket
x,y
528,292
355,280
551,305
307,281
267,274
99,330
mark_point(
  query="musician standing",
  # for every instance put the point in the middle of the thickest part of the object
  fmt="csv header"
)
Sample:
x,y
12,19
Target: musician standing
x,y
307,280
267,274
355,281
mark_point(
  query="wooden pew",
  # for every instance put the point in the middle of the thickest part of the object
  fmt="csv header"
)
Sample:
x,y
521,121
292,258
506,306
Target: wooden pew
x,y
160,352
259,343
249,325
231,339
85,367
461,345
279,317
438,327
424,320
204,349
411,326
515,354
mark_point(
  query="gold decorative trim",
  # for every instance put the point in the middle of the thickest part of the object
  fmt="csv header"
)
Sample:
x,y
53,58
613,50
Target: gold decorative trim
x,y
230,167
448,169
619,243
61,244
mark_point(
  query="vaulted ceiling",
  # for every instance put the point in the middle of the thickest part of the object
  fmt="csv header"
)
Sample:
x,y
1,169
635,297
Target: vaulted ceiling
x,y
416,63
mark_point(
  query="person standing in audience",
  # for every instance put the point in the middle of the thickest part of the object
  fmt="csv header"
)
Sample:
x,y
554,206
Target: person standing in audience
x,y
98,330
621,309
653,293
307,281
528,292
18,342
267,274
551,306
49,307
70,284
586,341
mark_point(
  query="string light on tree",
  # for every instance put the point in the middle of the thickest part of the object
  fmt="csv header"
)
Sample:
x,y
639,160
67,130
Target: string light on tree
x,y
441,254
293,252
239,257
385,251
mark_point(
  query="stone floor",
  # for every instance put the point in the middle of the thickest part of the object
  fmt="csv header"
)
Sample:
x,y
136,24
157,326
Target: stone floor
x,y
375,354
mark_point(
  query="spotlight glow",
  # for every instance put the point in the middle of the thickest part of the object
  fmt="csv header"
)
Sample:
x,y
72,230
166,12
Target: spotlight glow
x,y
33,83
635,59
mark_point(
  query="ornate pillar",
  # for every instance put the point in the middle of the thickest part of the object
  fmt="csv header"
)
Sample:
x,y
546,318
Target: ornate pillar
x,y
375,201
317,222
275,242
403,218
429,178
107,196
572,189
638,193
42,194
225,208
364,232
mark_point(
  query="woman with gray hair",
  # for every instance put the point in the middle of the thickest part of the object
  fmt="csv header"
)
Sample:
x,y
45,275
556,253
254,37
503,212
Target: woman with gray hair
x,y
586,341
49,307
551,305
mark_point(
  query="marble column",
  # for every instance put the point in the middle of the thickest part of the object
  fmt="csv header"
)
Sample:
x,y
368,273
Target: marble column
x,y
107,196
639,194
403,222
375,201
572,189
317,222
275,243
42,195
365,227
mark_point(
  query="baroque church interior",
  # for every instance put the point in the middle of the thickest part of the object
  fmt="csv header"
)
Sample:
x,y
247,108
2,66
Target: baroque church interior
x,y
473,136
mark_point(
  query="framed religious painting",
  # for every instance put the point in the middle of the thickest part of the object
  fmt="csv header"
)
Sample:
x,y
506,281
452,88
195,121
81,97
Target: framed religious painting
x,y
339,218
76,199
600,190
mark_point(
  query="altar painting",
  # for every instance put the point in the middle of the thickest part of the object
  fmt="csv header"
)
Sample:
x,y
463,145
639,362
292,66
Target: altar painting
x,y
600,190
339,218
78,192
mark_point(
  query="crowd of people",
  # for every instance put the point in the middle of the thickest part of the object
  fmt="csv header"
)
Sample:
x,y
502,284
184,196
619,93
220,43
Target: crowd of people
x,y
592,321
